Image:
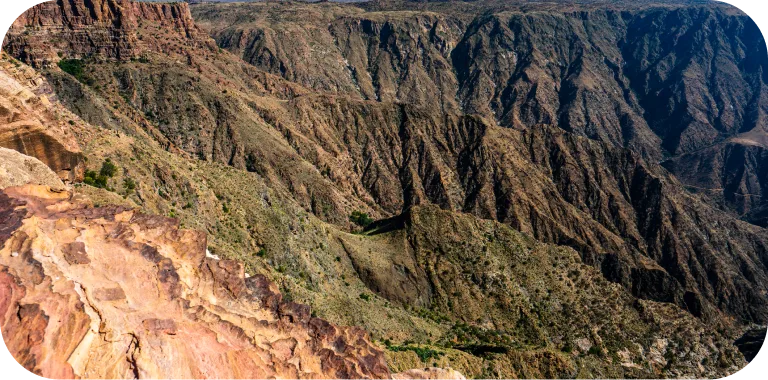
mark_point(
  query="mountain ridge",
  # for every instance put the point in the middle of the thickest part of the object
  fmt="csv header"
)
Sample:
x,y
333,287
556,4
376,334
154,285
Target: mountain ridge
x,y
272,169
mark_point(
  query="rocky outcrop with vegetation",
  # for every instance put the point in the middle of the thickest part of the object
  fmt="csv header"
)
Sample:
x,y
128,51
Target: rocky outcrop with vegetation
x,y
505,189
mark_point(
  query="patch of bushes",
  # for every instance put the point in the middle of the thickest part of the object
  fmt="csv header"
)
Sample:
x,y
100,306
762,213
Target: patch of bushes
x,y
76,68
596,351
99,179
360,218
424,353
469,335
365,297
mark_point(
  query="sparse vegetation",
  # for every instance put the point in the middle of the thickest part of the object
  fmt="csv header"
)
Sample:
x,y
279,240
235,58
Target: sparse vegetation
x,y
424,353
360,218
129,185
99,179
76,68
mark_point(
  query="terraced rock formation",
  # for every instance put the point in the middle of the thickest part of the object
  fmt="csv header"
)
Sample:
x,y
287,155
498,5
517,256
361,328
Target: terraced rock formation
x,y
485,139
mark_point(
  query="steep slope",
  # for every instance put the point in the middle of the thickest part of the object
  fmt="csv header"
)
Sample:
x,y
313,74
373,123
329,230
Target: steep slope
x,y
262,164
33,123
660,79
335,154
314,262
70,307
619,77
581,71
17,169
524,298
731,174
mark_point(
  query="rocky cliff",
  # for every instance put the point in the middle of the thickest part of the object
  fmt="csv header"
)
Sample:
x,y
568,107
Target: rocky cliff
x,y
397,113
84,28
17,169
111,293
34,123
590,72
660,80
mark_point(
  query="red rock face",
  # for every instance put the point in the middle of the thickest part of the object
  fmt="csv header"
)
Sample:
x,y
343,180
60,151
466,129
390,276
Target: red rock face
x,y
90,28
111,293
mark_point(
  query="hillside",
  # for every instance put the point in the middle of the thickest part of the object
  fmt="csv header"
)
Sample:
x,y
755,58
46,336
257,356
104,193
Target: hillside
x,y
550,190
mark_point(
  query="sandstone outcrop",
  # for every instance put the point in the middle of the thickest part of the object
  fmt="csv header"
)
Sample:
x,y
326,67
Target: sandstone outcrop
x,y
111,293
17,169
403,111
34,123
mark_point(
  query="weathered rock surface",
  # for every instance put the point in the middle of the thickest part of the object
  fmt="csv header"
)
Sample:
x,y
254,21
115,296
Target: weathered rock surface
x,y
34,123
655,78
594,72
521,293
17,169
111,293
731,174
335,154
430,373
84,28
557,145
660,80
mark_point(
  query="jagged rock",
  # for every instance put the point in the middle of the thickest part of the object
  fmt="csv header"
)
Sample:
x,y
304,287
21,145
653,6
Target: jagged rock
x,y
730,174
430,373
595,72
659,80
83,28
149,303
623,213
556,141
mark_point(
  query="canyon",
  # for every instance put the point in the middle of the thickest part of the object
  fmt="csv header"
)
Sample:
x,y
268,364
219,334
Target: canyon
x,y
554,190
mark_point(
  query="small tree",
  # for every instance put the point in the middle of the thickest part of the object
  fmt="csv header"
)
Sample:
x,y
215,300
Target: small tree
x,y
108,169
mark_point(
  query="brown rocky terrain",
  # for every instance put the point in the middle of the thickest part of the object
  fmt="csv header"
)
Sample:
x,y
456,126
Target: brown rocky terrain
x,y
309,112
621,73
464,162
33,123
111,293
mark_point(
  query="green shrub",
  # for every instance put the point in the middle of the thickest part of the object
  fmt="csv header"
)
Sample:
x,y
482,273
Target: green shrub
x,y
365,297
76,68
108,169
99,179
360,218
129,185
424,353
93,178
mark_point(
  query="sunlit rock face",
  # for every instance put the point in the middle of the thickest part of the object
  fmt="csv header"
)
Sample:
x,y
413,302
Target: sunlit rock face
x,y
111,293
84,28
33,123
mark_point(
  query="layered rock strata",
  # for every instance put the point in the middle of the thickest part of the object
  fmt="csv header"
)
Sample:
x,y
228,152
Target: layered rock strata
x,y
35,124
111,293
